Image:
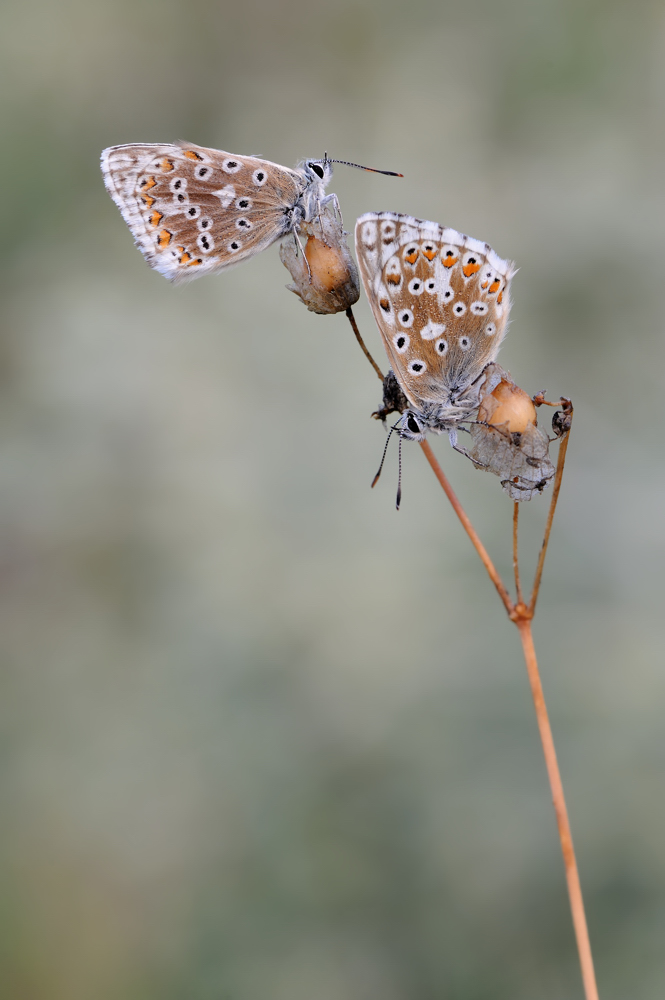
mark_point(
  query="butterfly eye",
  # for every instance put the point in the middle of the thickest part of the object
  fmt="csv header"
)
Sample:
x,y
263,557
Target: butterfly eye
x,y
317,168
413,424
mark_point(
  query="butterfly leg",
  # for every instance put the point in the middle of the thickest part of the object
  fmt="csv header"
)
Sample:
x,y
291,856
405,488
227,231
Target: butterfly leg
x,y
302,250
332,199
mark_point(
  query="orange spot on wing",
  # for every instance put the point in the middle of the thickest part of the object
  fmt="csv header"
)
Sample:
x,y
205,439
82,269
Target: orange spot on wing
x,y
197,260
164,239
484,284
499,297
191,155
494,287
412,257
449,261
185,258
147,183
393,279
166,165
147,200
156,218
470,269
385,305
430,254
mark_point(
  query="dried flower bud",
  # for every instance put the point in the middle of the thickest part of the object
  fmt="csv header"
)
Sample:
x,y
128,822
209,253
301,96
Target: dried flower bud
x,y
506,440
394,400
563,418
509,407
326,278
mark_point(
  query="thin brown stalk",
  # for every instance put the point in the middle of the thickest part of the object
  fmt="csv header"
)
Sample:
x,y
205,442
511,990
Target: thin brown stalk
x,y
354,326
521,615
565,836
516,564
468,527
561,460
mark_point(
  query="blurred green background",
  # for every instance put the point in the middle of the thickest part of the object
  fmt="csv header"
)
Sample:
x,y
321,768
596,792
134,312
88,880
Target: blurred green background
x,y
263,738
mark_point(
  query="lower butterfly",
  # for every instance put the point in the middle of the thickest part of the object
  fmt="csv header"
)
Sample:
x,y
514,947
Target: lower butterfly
x,y
197,211
441,301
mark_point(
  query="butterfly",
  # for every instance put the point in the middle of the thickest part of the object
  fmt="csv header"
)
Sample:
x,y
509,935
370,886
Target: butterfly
x,y
441,301
196,211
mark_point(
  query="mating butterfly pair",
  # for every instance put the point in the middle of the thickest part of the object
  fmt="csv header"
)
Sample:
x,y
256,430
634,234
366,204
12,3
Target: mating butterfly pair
x,y
440,299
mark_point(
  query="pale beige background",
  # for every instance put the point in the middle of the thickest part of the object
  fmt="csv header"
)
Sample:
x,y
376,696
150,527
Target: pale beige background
x,y
263,738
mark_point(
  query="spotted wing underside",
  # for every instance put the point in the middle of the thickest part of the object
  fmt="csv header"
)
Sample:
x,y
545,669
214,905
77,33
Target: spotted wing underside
x,y
197,211
440,299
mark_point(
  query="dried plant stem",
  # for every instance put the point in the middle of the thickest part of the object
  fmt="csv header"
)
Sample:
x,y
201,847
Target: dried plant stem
x,y
565,836
563,448
468,527
521,615
516,563
352,320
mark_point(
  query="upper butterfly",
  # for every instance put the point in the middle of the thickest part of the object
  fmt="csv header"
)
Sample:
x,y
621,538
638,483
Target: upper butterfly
x,y
196,211
441,301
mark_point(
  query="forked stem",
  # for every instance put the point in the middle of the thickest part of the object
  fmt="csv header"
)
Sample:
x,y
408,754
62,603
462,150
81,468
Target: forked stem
x,y
561,460
516,563
558,798
469,528
521,615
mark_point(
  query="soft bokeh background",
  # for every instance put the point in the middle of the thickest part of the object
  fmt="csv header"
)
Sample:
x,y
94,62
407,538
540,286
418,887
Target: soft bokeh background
x,y
263,738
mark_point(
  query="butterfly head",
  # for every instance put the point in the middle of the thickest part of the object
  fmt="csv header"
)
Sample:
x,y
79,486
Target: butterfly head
x,y
318,172
411,427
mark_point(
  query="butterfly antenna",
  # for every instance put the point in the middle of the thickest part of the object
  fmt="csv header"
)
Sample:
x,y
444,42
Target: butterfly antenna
x,y
398,498
359,166
383,457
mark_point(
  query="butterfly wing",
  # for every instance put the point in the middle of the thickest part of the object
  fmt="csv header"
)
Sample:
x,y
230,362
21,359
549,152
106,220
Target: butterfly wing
x,y
197,211
440,299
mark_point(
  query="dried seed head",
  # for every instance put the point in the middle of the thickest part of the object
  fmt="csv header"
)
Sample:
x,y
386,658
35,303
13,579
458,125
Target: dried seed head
x,y
505,439
327,264
509,407
326,277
